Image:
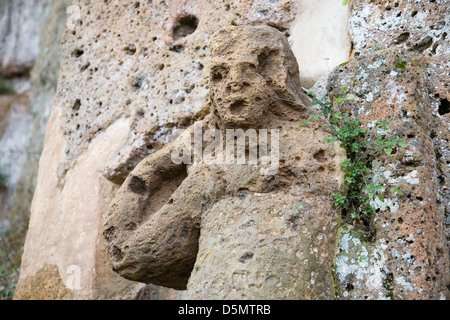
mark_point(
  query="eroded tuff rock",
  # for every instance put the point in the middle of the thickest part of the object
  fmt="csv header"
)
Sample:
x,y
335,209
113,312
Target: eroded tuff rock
x,y
230,230
409,257
148,61
408,86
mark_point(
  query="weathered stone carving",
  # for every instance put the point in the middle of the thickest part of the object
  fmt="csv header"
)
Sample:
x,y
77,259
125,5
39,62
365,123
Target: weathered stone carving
x,y
227,230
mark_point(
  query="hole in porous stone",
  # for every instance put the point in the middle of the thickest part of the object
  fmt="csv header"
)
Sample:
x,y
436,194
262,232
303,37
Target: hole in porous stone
x,y
236,107
176,48
185,26
423,44
402,38
84,67
77,53
320,156
130,49
218,74
413,14
109,234
444,107
246,257
117,254
137,185
349,287
77,105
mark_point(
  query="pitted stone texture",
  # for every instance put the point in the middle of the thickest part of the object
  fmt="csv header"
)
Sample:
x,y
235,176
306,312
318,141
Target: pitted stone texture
x,y
244,66
410,227
420,26
279,14
144,60
254,244
165,217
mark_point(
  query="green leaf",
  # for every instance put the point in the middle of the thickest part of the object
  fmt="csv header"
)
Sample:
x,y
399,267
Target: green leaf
x,y
304,123
402,144
344,63
381,198
313,117
396,189
388,150
350,97
401,65
344,2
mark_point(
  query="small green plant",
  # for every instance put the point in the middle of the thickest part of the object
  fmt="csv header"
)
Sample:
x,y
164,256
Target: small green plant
x,y
396,190
401,65
355,201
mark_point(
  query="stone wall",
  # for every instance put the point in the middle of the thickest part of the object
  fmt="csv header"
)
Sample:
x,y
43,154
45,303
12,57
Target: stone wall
x,y
135,74
398,75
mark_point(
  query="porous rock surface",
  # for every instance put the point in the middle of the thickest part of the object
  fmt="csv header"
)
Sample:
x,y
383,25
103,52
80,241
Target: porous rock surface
x,y
236,230
398,75
136,74
136,68
118,74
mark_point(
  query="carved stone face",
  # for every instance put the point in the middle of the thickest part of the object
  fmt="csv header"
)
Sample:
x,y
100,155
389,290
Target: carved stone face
x,y
239,91
250,70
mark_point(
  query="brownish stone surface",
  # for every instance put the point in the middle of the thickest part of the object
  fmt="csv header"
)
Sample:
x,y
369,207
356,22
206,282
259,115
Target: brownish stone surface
x,y
409,227
167,217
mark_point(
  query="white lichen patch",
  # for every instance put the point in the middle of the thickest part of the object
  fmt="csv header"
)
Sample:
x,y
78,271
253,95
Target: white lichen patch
x,y
384,204
401,281
376,64
361,268
411,178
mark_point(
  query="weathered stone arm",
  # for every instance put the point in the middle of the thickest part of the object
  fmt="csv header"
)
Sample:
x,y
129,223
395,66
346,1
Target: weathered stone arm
x,y
153,225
